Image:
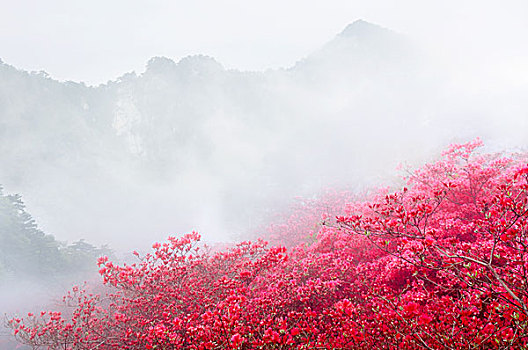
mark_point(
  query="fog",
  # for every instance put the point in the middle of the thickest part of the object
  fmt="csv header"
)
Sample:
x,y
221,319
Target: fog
x,y
125,135
99,40
192,145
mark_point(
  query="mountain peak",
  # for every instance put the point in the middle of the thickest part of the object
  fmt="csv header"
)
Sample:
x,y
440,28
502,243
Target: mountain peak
x,y
160,64
360,28
200,63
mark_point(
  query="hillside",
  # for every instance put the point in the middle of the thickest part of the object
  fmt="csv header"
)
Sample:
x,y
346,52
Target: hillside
x,y
190,144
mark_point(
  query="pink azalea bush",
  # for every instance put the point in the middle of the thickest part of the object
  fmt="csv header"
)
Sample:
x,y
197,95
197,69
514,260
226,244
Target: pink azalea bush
x,y
301,222
440,264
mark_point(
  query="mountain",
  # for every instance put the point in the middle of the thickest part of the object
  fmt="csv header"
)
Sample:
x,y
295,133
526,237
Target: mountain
x,y
190,145
360,40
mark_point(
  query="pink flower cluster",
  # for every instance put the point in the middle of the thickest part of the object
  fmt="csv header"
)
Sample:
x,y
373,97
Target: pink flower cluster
x,y
441,264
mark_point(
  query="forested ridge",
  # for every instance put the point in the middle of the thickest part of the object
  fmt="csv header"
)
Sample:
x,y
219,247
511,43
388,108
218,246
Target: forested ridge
x,y
26,252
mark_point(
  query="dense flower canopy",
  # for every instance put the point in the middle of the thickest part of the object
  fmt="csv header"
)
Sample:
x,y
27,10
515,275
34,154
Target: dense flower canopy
x,y
440,264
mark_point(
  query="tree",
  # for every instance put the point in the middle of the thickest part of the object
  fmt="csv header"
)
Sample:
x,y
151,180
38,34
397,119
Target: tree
x,y
458,238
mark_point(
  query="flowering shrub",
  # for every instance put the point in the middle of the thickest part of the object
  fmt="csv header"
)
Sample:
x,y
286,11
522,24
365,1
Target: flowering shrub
x,y
301,222
441,264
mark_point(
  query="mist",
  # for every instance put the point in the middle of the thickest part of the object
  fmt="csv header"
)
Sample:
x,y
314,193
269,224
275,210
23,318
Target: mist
x,y
162,140
190,145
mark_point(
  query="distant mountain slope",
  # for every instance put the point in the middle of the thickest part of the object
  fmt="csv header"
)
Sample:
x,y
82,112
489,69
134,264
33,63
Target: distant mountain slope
x,y
27,253
192,145
361,45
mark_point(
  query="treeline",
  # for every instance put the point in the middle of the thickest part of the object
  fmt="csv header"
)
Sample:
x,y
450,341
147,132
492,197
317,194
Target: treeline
x,y
27,252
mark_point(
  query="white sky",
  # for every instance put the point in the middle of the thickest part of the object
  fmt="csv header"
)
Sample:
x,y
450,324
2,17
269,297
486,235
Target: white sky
x,y
97,40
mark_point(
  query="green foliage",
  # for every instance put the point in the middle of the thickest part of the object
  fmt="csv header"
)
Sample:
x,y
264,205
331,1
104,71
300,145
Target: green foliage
x,y
26,251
